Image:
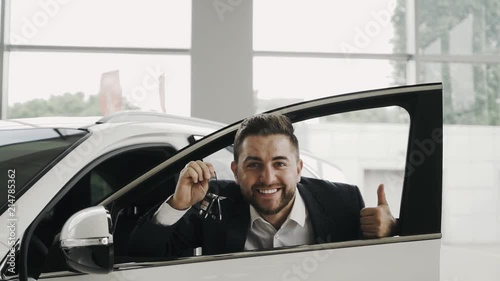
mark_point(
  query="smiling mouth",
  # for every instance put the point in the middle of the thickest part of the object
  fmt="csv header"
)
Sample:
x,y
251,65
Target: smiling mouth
x,y
268,191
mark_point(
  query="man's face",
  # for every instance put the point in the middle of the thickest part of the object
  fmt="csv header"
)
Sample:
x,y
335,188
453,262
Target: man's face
x,y
268,172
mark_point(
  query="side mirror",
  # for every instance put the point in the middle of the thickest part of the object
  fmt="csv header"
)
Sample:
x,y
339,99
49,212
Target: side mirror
x,y
87,242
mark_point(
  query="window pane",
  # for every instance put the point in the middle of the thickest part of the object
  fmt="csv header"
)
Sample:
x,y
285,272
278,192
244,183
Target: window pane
x,y
280,81
78,76
366,147
462,28
471,91
328,26
120,23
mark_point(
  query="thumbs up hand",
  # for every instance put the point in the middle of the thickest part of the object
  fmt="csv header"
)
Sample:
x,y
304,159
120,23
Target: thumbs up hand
x,y
378,222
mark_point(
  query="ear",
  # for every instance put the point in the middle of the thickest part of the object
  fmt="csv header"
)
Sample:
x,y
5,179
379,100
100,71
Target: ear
x,y
234,168
300,164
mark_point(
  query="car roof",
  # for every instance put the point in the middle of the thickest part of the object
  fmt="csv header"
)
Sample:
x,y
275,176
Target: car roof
x,y
115,118
142,116
48,122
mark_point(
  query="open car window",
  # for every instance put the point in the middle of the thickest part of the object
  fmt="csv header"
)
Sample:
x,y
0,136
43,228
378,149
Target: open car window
x,y
349,148
352,147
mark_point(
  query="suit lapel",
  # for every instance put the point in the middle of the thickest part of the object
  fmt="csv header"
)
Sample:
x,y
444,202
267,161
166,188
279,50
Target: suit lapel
x,y
237,227
238,219
323,225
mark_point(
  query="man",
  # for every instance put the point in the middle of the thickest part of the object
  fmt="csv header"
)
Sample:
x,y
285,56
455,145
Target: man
x,y
268,206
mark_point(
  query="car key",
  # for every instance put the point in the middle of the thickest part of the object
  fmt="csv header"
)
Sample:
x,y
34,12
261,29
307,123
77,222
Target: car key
x,y
210,207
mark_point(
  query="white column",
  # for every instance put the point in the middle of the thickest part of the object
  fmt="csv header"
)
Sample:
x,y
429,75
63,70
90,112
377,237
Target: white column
x,y
222,60
4,57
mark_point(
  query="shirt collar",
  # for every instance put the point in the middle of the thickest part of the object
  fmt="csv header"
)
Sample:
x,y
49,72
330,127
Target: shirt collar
x,y
297,214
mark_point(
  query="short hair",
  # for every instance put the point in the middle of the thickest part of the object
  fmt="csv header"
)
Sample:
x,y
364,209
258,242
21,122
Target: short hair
x,y
265,124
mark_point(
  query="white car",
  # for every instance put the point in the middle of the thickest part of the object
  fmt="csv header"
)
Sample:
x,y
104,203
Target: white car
x,y
73,195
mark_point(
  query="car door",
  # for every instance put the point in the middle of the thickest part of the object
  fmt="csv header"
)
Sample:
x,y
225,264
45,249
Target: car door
x,y
411,255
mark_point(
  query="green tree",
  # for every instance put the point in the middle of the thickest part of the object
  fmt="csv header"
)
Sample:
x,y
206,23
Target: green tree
x,y
436,18
62,105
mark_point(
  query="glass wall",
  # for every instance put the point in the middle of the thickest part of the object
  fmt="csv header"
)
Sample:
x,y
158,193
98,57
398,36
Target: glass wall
x,y
126,53
78,78
110,23
310,49
358,26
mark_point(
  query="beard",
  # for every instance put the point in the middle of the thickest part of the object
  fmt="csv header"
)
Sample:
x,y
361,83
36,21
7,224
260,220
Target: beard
x,y
287,194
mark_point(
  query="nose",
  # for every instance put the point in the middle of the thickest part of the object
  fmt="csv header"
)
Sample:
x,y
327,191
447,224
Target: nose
x,y
268,175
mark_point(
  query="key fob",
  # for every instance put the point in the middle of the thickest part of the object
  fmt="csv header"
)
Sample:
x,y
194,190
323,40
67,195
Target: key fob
x,y
210,208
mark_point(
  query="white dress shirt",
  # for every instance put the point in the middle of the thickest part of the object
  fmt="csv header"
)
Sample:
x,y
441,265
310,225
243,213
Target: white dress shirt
x,y
167,215
296,230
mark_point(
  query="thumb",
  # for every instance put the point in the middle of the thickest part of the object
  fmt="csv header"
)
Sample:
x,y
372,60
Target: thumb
x,y
381,195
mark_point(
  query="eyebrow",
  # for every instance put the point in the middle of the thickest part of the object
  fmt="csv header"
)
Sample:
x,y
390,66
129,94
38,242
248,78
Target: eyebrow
x,y
280,158
252,158
255,158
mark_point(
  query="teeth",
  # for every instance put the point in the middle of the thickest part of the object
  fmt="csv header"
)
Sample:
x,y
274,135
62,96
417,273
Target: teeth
x,y
268,191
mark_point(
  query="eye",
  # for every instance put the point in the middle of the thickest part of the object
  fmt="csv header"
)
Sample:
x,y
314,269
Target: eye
x,y
280,164
253,165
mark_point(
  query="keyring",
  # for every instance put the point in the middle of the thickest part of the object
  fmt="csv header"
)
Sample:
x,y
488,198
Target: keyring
x,y
210,208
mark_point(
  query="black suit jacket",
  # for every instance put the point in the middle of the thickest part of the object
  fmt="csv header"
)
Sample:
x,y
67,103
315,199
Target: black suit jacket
x,y
334,211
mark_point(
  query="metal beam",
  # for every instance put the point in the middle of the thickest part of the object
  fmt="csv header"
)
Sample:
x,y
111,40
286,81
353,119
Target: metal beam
x,y
479,58
325,55
84,49
472,59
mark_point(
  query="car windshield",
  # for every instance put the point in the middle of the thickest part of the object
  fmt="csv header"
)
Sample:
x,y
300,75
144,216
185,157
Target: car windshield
x,y
24,153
